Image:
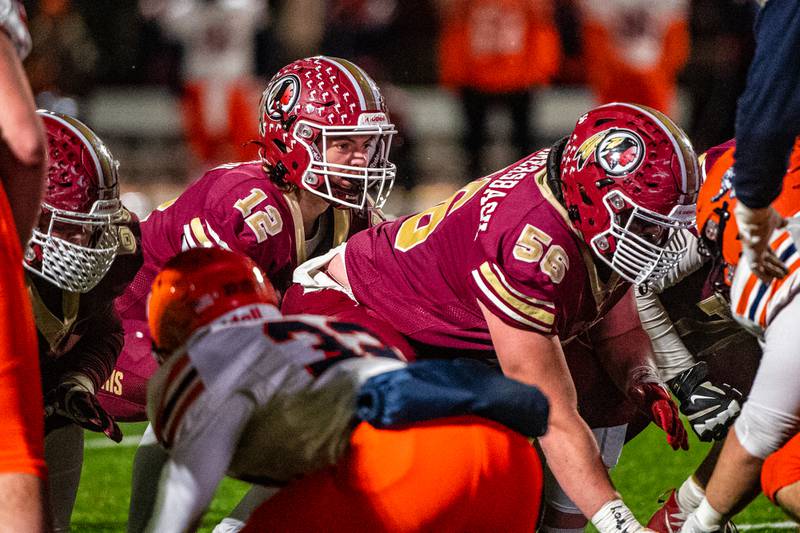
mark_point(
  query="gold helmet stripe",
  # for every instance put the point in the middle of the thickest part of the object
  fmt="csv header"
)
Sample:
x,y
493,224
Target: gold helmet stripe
x,y
368,93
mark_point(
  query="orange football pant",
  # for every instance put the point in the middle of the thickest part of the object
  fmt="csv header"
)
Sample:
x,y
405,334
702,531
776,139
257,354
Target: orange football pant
x,y
782,468
22,443
449,475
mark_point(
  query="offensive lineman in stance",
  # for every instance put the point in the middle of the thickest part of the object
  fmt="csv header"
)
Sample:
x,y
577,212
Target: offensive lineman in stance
x,y
82,255
279,399
771,414
528,258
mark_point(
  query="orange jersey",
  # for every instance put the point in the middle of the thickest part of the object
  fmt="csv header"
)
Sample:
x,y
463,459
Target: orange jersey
x,y
22,446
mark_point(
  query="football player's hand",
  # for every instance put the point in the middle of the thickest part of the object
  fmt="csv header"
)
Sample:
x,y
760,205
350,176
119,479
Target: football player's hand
x,y
710,408
755,228
74,399
653,399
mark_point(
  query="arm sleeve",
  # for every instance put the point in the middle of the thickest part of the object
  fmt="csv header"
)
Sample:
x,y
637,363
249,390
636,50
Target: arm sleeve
x,y
95,354
12,23
197,464
670,354
768,114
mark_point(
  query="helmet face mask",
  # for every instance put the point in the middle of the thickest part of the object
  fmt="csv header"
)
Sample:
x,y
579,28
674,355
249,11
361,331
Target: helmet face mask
x,y
307,106
640,245
75,242
629,181
349,186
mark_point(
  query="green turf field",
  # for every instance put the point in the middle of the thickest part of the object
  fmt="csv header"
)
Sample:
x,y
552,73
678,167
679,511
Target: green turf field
x,y
647,468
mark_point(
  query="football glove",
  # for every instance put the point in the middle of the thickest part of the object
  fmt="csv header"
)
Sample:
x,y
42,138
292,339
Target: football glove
x,y
652,398
74,399
755,228
711,409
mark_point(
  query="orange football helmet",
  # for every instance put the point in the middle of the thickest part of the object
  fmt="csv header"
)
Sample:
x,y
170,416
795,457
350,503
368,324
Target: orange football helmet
x,y
198,286
716,225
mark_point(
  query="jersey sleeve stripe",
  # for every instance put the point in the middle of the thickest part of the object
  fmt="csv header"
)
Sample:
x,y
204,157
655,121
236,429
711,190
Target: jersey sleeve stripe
x,y
214,235
528,307
179,366
199,233
188,239
518,294
753,302
503,307
186,401
183,377
741,305
792,266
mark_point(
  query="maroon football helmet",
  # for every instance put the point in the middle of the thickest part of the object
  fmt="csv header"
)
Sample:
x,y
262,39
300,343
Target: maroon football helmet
x,y
312,101
630,178
75,241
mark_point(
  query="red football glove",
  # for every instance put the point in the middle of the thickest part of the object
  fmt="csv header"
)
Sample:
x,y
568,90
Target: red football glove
x,y
653,399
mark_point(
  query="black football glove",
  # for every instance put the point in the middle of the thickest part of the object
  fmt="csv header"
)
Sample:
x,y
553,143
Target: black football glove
x,y
711,409
74,399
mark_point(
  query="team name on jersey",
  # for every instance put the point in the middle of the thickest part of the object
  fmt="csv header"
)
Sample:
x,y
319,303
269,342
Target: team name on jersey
x,y
503,182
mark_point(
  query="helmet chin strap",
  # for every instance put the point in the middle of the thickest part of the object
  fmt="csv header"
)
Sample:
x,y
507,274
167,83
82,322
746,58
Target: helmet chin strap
x,y
554,168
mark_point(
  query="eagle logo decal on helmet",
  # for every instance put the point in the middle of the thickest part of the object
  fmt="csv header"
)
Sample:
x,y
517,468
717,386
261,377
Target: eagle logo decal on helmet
x,y
620,152
282,96
587,148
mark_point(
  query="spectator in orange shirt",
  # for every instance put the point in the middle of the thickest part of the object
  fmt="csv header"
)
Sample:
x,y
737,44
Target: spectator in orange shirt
x,y
634,49
495,52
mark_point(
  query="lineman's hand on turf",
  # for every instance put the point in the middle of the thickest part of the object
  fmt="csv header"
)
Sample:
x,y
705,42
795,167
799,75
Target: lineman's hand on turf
x,y
74,398
653,399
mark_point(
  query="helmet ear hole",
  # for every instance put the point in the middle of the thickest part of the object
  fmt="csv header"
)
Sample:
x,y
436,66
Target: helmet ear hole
x,y
585,197
280,145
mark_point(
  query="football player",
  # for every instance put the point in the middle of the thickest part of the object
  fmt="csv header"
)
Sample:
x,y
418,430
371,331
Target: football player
x,y
281,400
531,257
22,171
687,316
323,174
771,414
81,256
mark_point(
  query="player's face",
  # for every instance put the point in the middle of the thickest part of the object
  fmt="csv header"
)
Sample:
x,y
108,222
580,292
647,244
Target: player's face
x,y
354,151
80,234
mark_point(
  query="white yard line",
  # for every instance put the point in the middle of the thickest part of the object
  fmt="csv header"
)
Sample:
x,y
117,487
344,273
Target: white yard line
x,y
768,525
97,444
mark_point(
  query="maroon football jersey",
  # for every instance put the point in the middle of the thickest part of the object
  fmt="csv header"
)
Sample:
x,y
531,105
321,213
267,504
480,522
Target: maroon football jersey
x,y
233,206
503,240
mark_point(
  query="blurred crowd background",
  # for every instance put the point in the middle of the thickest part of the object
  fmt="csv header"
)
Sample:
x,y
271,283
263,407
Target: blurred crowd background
x,y
173,85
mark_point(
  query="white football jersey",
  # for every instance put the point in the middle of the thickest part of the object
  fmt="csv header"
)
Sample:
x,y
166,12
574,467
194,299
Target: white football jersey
x,y
299,376
754,303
